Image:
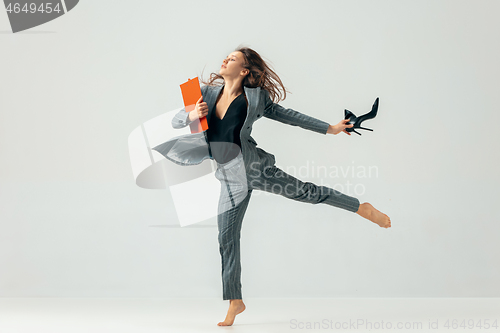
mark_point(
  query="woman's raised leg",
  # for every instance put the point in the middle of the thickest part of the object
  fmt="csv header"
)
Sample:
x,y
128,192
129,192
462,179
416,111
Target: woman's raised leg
x,y
276,181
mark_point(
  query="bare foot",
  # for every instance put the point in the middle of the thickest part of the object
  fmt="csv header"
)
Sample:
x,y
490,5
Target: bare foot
x,y
369,212
235,306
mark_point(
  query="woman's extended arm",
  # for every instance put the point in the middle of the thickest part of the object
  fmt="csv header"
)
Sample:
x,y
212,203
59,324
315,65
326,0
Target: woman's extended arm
x,y
291,117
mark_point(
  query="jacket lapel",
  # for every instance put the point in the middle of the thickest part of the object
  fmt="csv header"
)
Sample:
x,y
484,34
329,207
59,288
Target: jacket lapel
x,y
211,98
252,95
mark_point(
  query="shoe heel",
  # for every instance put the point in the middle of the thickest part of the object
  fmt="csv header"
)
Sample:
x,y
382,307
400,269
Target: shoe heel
x,y
356,132
368,129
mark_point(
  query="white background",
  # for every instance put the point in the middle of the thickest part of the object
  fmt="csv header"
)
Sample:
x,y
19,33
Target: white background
x,y
74,224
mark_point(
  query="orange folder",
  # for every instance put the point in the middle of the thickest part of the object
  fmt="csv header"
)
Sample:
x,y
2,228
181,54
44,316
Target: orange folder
x,y
191,93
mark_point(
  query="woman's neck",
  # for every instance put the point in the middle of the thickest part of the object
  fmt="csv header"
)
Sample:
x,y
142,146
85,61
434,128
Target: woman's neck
x,y
232,89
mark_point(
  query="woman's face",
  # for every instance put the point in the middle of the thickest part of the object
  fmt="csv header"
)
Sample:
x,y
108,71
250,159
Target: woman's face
x,y
232,66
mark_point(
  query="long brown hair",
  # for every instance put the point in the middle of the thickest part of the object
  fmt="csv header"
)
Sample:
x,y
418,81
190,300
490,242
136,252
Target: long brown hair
x,y
261,75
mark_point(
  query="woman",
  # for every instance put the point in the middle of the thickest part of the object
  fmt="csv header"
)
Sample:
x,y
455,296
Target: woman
x,y
248,92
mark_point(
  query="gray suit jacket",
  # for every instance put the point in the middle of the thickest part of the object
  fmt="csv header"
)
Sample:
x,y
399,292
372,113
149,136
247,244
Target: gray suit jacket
x,y
191,149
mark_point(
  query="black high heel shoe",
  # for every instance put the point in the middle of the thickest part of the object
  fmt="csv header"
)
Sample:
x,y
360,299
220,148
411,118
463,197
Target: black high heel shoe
x,y
358,120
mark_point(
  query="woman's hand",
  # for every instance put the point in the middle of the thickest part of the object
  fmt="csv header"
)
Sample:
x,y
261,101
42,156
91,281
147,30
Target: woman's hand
x,y
340,127
200,110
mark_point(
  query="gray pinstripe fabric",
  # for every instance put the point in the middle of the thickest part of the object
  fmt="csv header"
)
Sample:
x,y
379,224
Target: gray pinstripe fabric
x,y
259,168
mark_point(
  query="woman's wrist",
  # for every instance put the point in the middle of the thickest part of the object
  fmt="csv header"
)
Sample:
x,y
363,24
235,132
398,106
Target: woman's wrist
x,y
191,115
332,130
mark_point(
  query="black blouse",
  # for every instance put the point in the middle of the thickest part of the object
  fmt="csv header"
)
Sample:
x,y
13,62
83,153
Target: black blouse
x,y
227,129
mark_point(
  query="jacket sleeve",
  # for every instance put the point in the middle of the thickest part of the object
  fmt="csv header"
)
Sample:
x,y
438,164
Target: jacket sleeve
x,y
181,118
291,117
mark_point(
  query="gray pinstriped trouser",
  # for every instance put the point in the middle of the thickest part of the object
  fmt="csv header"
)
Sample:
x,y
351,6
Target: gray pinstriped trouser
x,y
230,218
